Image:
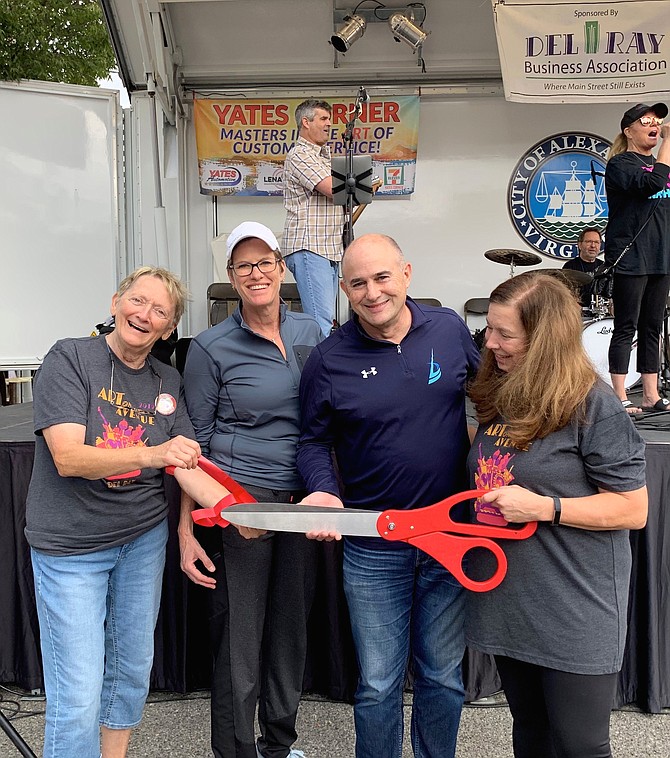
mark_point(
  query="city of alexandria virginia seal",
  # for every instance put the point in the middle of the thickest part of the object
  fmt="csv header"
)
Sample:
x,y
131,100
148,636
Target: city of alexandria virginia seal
x,y
557,189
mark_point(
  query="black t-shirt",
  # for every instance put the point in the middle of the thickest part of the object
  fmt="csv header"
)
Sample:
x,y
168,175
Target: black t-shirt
x,y
637,190
577,264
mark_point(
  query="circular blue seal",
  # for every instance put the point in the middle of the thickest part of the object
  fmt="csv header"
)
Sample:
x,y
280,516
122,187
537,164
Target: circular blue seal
x,y
556,190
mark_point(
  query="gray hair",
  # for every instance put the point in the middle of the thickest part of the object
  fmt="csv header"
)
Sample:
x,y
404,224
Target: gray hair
x,y
586,231
307,109
176,290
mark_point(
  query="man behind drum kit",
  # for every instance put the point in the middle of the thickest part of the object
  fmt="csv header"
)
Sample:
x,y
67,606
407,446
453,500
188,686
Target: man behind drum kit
x,y
589,243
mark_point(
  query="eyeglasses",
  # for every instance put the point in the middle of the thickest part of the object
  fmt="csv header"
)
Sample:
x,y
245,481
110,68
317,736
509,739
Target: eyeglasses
x,y
649,120
140,302
265,267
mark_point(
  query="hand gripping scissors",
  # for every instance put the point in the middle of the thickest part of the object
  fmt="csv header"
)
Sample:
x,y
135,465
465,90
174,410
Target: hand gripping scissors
x,y
431,529
212,516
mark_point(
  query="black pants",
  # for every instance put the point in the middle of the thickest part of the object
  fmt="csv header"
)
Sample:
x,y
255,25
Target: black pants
x,y
557,714
639,303
258,628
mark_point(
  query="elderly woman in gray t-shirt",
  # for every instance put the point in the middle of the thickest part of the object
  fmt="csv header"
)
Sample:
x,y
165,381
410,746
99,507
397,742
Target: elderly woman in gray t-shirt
x,y
108,417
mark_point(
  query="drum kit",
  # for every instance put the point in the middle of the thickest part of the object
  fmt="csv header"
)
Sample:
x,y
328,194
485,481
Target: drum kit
x,y
598,323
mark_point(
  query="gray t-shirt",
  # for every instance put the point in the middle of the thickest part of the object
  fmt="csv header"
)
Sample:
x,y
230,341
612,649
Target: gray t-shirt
x,y
76,384
563,603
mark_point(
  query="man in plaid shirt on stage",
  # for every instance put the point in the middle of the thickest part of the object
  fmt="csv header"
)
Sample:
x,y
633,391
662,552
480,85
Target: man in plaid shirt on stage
x,y
312,242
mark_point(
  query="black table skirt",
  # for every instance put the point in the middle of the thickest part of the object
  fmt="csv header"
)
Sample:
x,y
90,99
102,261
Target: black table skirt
x,y
182,657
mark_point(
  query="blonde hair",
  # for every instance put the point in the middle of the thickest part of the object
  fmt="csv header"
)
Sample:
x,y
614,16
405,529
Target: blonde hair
x,y
550,384
176,290
620,145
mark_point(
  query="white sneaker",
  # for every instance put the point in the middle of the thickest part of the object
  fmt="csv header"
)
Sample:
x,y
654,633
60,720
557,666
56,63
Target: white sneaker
x,y
292,754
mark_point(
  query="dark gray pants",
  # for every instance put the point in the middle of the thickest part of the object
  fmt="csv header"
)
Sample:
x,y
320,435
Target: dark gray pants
x,y
258,627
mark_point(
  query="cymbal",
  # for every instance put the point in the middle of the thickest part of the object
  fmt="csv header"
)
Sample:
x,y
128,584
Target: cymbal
x,y
512,257
568,275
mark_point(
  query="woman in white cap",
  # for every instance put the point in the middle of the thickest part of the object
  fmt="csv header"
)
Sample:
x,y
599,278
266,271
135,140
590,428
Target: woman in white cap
x,y
638,237
241,380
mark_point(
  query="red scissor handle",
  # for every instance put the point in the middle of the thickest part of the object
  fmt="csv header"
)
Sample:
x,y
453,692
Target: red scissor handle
x,y
432,530
450,549
212,516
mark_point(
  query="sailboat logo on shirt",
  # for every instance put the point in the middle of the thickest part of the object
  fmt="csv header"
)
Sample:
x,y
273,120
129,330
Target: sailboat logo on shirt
x,y
435,372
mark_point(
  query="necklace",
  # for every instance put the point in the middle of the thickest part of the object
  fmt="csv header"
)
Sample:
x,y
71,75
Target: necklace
x,y
271,333
276,339
160,397
642,161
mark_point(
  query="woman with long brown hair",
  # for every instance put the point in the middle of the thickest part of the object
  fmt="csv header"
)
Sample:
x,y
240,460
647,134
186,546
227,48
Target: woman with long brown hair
x,y
554,445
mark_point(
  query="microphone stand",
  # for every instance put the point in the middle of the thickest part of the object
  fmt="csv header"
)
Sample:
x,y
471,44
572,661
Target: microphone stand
x,y
351,179
356,187
15,738
665,353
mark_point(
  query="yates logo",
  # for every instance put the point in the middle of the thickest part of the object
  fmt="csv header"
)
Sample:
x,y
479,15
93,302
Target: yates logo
x,y
227,176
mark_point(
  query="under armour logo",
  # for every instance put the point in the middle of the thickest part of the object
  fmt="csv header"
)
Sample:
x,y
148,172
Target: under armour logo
x,y
372,370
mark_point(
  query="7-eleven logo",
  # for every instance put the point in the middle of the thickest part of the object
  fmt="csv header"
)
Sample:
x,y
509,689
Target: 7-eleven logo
x,y
394,175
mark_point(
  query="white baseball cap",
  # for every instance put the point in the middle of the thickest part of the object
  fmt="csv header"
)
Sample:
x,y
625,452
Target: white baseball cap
x,y
248,229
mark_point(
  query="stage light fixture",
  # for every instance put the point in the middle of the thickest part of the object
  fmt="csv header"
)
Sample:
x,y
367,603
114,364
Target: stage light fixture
x,y
405,30
352,30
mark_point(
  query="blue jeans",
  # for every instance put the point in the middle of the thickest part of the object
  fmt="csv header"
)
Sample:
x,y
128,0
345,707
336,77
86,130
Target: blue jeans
x,y
317,282
397,599
97,614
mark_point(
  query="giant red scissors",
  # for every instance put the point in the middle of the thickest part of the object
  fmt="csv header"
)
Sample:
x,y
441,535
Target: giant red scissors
x,y
431,529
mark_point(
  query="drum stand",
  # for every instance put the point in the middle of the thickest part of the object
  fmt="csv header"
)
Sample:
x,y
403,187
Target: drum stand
x,y
600,308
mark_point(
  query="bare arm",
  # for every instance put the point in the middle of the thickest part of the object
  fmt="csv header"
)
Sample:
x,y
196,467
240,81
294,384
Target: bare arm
x,y
603,511
190,549
325,187
201,488
73,457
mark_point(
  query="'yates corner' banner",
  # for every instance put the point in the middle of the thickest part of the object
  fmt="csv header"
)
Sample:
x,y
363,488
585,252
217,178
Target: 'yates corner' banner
x,y
242,144
557,51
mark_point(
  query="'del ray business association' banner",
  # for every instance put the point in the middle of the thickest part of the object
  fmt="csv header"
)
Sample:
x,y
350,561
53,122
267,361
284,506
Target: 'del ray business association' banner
x,y
242,144
573,52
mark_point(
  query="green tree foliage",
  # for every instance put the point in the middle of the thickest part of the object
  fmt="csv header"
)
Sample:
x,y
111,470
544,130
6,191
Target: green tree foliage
x,y
54,40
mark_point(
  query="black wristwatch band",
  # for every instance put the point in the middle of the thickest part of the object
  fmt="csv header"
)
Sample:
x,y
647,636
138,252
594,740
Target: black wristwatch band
x,y
557,511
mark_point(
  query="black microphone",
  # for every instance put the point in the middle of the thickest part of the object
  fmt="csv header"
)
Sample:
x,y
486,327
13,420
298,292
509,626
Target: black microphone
x,y
595,173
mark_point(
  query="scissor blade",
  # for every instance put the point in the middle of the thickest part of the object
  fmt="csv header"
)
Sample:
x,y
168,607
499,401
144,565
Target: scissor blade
x,y
283,517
